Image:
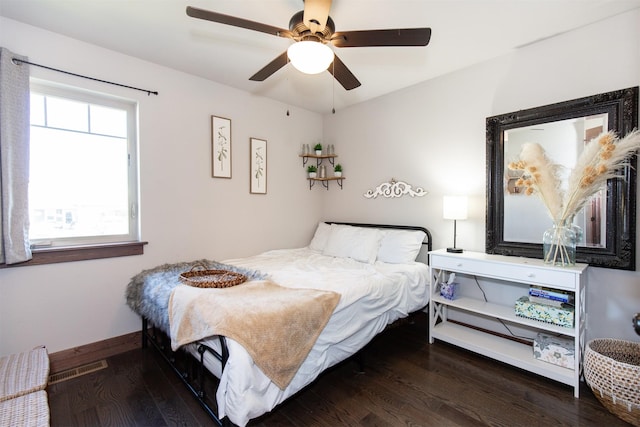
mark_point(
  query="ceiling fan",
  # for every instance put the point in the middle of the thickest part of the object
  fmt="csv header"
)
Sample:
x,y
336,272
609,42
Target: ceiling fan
x,y
314,25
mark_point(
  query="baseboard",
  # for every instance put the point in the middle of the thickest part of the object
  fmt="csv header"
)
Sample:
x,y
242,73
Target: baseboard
x,y
77,356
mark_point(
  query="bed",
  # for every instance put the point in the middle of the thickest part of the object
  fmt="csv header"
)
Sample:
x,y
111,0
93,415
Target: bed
x,y
333,297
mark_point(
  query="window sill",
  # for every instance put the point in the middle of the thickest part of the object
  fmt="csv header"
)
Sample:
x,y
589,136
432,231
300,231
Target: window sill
x,y
81,253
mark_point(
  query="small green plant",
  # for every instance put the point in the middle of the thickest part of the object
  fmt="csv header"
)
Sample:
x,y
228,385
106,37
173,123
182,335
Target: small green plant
x,y
337,168
318,147
311,169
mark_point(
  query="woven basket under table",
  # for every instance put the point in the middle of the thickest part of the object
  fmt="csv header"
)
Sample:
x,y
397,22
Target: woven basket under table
x,y
612,370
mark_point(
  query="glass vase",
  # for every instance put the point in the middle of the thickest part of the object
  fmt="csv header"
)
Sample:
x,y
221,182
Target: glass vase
x,y
579,233
576,229
559,245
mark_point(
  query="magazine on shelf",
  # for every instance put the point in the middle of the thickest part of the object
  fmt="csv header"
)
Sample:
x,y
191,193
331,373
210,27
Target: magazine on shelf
x,y
547,301
551,294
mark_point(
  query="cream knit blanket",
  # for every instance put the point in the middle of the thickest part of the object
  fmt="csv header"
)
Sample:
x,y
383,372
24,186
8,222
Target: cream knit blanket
x,y
277,326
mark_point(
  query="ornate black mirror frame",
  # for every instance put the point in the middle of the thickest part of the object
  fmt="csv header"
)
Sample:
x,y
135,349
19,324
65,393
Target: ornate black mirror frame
x,y
620,249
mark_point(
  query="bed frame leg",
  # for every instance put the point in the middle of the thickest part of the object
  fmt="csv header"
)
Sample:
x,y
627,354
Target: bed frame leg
x,y
359,359
145,339
182,365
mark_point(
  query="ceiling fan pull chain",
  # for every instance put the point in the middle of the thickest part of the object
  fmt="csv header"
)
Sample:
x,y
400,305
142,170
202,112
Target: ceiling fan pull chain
x,y
333,88
287,102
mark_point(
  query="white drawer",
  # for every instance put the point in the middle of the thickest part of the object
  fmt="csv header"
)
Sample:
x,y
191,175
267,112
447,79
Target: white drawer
x,y
514,272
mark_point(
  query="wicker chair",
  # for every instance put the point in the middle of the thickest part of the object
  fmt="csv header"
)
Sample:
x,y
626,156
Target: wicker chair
x,y
23,379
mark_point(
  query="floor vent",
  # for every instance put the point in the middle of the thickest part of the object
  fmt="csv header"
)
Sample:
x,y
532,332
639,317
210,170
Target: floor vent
x,y
76,372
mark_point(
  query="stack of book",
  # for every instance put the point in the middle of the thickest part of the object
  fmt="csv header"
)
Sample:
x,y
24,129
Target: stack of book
x,y
552,297
561,316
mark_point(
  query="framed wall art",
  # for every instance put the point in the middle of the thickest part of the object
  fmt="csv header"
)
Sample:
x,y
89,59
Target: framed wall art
x,y
221,147
258,166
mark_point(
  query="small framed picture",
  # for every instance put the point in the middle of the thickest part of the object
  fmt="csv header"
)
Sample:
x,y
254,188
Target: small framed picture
x,y
512,177
258,166
221,147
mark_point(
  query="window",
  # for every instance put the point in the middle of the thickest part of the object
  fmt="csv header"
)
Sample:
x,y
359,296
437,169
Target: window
x,y
83,186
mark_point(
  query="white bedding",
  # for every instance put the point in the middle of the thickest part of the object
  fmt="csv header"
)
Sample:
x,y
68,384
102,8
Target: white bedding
x,y
372,296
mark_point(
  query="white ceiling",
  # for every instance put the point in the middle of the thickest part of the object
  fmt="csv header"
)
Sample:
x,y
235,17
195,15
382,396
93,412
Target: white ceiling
x,y
464,32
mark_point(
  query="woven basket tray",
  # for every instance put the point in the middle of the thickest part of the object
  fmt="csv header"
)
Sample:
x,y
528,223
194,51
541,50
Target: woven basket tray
x,y
212,278
612,370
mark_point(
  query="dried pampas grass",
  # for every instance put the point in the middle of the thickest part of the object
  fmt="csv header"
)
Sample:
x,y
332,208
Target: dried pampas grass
x,y
602,159
539,176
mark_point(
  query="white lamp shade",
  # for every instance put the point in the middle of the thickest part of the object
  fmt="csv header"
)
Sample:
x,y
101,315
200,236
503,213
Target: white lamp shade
x,y
310,57
454,207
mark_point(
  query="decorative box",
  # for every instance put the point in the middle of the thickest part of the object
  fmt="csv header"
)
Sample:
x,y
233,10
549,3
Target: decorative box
x,y
562,316
448,290
553,349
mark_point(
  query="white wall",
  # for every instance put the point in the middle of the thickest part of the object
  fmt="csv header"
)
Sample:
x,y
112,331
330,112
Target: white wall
x,y
433,135
186,214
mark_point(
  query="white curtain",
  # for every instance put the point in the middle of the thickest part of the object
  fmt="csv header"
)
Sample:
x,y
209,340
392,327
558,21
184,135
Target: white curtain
x,y
14,159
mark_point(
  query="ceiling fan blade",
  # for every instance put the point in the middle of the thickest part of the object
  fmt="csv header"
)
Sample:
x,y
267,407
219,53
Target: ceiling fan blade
x,y
208,15
316,13
271,68
397,37
342,74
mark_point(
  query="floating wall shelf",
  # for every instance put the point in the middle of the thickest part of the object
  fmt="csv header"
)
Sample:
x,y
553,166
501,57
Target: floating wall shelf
x,y
324,180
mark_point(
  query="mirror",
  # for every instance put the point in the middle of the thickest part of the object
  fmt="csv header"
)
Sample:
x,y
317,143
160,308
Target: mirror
x,y
563,141
515,222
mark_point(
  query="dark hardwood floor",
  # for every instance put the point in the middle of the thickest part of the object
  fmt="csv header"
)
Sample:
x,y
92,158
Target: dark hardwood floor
x,y
407,383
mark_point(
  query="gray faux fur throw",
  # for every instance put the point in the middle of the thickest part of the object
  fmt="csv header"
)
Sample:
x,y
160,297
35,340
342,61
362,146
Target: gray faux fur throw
x,y
148,292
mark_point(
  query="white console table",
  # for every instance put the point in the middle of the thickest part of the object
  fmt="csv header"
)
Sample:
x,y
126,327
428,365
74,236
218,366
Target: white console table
x,y
514,271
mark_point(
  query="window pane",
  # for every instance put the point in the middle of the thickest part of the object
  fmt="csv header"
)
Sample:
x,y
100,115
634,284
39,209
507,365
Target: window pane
x,y
67,114
37,109
83,171
78,184
108,121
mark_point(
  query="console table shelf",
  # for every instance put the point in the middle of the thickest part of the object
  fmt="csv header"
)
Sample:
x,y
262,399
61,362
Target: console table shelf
x,y
504,350
503,312
514,272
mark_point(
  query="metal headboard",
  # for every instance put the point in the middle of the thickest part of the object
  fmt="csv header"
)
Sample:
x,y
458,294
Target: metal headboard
x,y
427,241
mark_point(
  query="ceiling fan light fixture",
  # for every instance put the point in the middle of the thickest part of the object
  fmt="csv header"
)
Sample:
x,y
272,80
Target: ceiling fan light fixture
x,y
310,57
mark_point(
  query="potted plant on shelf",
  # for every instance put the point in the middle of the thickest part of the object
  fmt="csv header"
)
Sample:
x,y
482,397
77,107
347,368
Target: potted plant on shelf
x,y
312,170
318,149
337,170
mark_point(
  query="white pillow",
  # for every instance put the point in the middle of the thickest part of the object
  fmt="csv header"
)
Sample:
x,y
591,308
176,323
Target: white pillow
x,y
319,240
358,243
400,246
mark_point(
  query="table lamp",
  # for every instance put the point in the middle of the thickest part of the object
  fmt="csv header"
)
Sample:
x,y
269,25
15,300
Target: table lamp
x,y
455,208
